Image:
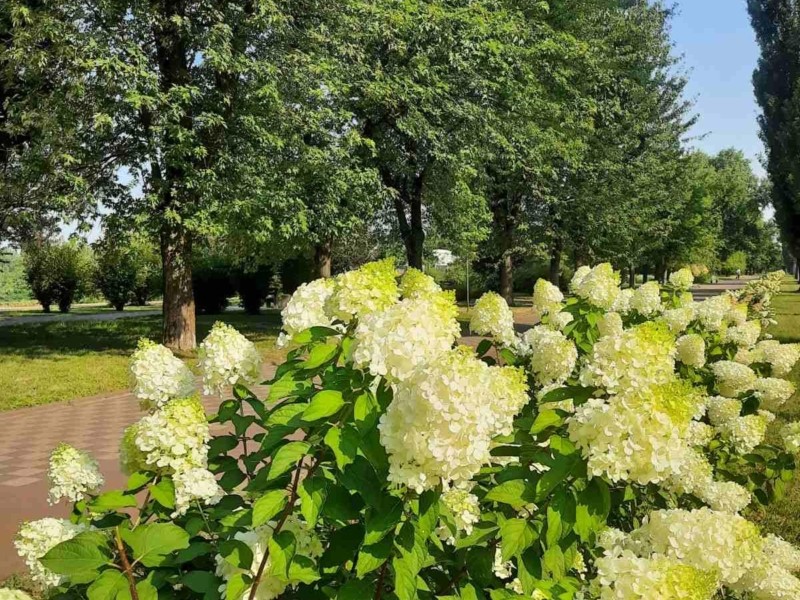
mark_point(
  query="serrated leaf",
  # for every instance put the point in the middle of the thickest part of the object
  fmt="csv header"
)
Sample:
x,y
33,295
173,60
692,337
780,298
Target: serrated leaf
x,y
545,420
287,457
373,556
153,543
112,500
85,553
164,493
106,587
312,492
323,404
516,493
268,506
319,355
517,535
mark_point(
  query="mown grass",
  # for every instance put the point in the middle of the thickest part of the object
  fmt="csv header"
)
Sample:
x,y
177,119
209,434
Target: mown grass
x,y
51,362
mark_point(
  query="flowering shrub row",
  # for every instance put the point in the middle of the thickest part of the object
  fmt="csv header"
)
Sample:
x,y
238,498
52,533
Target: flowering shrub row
x,y
607,453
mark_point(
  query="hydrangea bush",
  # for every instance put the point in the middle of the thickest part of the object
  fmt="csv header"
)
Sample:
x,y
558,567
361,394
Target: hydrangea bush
x,y
611,452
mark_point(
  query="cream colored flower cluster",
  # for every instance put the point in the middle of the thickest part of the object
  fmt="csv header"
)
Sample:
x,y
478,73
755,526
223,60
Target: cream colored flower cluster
x,y
464,510
228,358
743,432
159,375
622,304
72,474
368,289
7,594
790,433
646,300
271,585
416,284
610,324
733,379
599,286
636,436
744,336
192,485
734,557
635,360
409,334
682,279
172,439
492,316
678,319
37,538
713,312
781,357
691,350
306,309
547,298
552,355
773,392
440,425
695,476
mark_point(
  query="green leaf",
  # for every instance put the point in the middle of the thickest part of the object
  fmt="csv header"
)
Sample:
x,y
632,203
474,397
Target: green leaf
x,y
312,492
164,493
366,411
82,555
591,512
343,545
112,500
344,443
373,556
481,532
553,562
287,386
356,589
236,586
406,563
323,404
319,355
154,542
517,535
545,420
268,505
138,480
281,552
237,553
203,582
382,519
302,569
516,493
106,587
287,457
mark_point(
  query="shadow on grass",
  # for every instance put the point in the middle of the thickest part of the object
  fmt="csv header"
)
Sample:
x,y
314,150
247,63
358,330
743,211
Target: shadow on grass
x,y
76,338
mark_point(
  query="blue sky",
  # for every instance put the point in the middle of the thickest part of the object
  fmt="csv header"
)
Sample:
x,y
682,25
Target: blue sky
x,y
720,53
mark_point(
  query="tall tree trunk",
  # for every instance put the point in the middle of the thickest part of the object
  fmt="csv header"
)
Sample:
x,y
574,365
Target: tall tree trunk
x,y
661,269
645,273
412,231
178,308
323,255
556,253
632,276
507,278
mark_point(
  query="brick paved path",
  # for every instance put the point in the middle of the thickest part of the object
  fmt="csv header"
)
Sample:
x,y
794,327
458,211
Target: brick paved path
x,y
28,435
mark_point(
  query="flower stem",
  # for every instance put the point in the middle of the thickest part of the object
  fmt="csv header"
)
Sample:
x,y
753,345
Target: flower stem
x,y
126,565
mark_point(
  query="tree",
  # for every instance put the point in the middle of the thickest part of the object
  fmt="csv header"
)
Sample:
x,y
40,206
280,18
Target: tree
x,y
57,272
127,269
777,84
190,98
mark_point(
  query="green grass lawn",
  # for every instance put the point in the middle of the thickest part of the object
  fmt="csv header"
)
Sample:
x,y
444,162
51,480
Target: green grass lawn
x,y
51,362
28,310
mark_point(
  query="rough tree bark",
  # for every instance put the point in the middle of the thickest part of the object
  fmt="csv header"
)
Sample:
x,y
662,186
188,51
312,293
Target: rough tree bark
x,y
323,258
178,308
556,253
632,276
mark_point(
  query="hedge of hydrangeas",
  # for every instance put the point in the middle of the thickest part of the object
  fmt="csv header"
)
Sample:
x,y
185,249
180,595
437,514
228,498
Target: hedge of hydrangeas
x,y
610,452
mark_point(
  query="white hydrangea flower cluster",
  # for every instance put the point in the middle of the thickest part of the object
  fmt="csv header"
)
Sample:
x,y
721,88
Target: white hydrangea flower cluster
x,y
678,319
622,304
394,342
781,357
691,350
552,355
747,432
72,474
464,509
744,336
270,586
636,437
368,289
682,279
713,312
547,298
173,438
696,477
599,287
195,485
790,434
646,299
305,309
579,275
638,359
733,378
228,358
610,324
773,392
159,375
441,422
416,284
738,314
37,538
559,320
492,316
